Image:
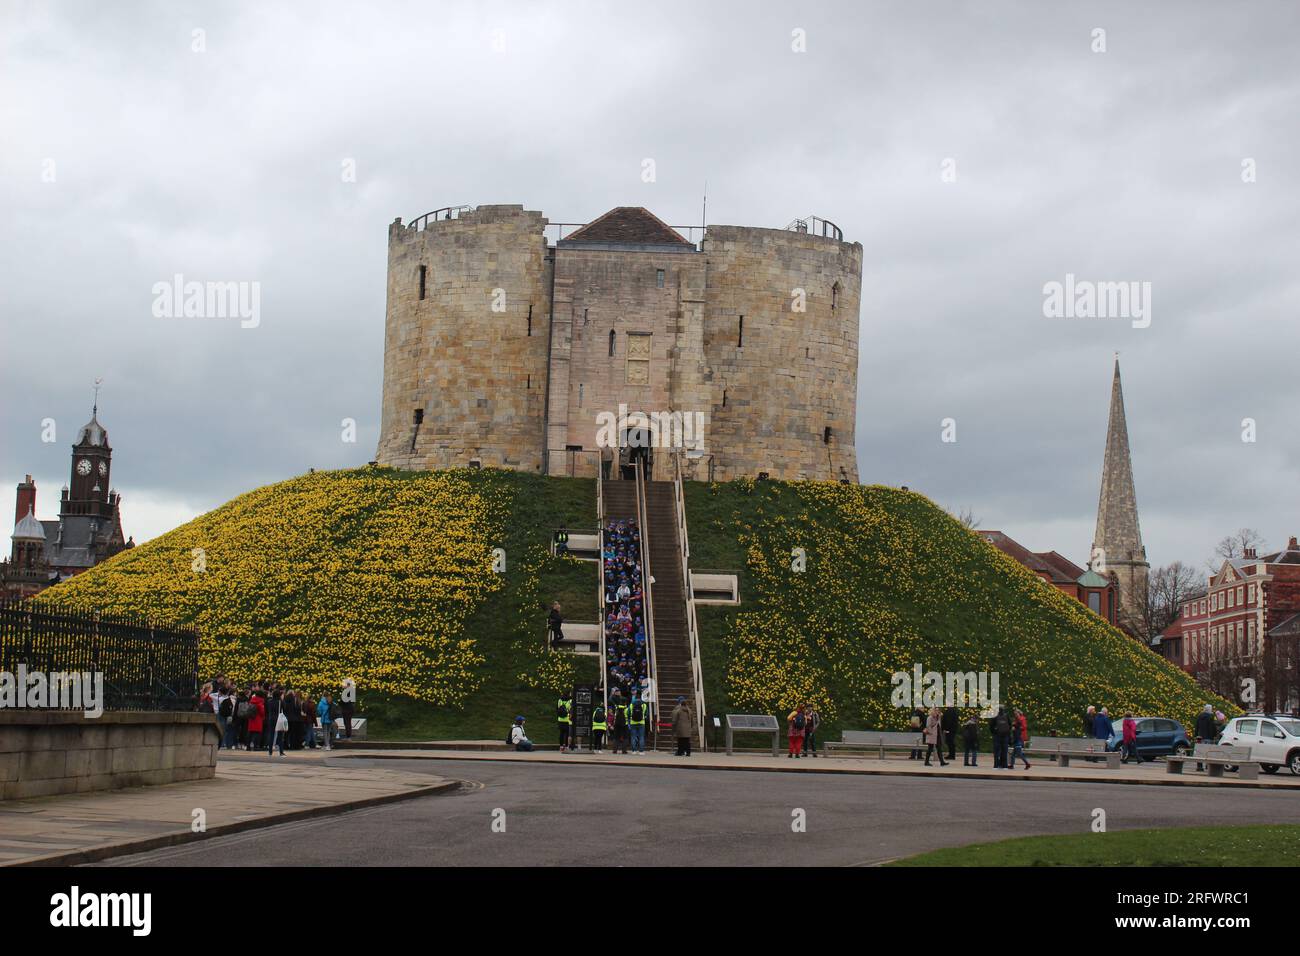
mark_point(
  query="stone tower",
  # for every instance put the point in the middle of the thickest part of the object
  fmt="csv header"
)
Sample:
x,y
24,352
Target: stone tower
x,y
1117,549
503,349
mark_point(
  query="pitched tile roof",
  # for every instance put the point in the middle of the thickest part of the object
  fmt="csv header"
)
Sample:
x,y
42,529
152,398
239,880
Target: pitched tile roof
x,y
628,224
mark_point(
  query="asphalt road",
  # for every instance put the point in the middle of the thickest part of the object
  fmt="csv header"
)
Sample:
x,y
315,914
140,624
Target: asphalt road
x,y
558,815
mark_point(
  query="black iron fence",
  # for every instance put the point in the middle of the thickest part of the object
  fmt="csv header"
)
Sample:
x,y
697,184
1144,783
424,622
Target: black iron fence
x,y
144,666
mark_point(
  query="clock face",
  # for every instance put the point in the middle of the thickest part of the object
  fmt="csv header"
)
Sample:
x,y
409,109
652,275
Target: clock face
x,y
83,466
103,469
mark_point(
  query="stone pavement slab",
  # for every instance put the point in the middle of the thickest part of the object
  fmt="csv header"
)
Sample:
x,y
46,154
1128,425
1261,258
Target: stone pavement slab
x,y
1149,773
249,790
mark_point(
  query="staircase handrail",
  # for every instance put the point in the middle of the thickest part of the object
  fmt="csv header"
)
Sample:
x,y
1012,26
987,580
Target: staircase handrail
x,y
692,629
647,602
600,559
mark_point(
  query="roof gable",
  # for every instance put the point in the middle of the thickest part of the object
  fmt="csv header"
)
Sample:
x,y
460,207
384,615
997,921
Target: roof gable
x,y
632,224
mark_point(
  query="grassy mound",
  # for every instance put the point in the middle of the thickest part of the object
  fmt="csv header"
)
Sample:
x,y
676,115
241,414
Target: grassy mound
x,y
387,578
380,576
892,581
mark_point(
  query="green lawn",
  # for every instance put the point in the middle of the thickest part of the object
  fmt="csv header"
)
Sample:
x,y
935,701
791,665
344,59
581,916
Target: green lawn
x,y
1191,846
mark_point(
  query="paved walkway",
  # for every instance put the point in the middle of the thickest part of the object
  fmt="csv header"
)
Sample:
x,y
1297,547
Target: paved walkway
x,y
1149,773
249,790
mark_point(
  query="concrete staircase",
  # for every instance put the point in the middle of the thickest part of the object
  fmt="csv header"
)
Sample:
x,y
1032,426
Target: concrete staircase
x,y
668,594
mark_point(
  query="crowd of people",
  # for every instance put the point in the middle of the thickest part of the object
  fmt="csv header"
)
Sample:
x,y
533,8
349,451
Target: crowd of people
x,y
267,715
626,655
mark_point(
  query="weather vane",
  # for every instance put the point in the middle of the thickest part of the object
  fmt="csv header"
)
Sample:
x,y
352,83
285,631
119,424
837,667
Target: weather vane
x,y
98,383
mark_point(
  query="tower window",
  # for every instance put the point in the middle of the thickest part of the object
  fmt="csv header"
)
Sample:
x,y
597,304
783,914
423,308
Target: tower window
x,y
581,388
659,278
585,320
530,320
724,398
419,415
835,296
826,435
424,272
740,334
611,341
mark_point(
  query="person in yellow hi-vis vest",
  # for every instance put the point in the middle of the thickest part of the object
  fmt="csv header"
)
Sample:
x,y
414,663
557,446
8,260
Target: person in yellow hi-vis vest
x,y
636,719
598,727
564,717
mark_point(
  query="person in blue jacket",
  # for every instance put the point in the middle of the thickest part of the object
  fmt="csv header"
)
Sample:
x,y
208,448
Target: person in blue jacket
x,y
327,725
1102,728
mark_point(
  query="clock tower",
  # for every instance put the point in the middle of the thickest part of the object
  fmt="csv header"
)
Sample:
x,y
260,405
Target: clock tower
x,y
92,459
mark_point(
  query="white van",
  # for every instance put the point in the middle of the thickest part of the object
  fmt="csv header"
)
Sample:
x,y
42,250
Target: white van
x,y
1274,740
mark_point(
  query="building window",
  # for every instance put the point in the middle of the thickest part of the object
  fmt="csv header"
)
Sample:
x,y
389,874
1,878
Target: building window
x,y
530,320
835,296
740,334
1251,594
659,278
1094,602
580,392
724,398
1239,592
611,341
826,435
419,415
424,271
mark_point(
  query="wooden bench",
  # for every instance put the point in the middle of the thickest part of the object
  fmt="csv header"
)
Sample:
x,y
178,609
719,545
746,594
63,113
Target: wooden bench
x,y
877,741
1217,758
1065,749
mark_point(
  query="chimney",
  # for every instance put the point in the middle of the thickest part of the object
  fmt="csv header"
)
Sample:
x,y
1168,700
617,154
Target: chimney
x,y
26,499
1250,553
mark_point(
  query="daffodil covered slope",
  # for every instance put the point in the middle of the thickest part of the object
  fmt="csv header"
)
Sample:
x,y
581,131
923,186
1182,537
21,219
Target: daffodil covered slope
x,y
383,577
892,581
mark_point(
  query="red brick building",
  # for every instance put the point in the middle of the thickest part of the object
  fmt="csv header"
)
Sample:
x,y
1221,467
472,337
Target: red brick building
x,y
1249,602
1087,587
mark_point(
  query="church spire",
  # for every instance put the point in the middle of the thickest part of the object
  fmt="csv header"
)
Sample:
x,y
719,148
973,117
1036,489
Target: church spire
x,y
1117,542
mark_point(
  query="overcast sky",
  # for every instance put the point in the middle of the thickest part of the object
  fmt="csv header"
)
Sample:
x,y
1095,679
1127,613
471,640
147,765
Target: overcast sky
x,y
129,156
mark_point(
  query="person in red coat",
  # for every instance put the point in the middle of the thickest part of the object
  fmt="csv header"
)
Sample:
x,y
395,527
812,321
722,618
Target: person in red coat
x,y
255,720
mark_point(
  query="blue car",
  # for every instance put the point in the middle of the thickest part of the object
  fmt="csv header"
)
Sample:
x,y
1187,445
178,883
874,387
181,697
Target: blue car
x,y
1156,737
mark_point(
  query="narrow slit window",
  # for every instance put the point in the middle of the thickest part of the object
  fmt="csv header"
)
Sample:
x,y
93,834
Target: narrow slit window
x,y
740,334
530,320
724,398
419,415
826,435
611,341
424,272
835,296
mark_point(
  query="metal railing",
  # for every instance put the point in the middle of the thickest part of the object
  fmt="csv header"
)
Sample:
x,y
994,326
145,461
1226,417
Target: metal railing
x,y
420,223
647,600
144,666
816,226
692,629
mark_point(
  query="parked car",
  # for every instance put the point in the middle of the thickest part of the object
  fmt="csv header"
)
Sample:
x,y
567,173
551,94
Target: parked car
x,y
1273,739
1156,737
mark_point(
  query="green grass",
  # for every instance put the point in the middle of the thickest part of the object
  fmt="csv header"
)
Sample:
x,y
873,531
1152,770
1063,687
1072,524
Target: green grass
x,y
1191,846
538,506
891,580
